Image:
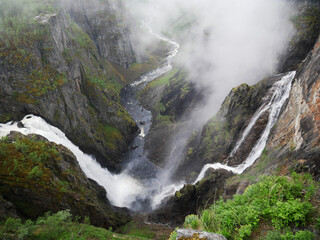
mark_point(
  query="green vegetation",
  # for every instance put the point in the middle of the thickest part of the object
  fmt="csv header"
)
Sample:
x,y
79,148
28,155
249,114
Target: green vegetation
x,y
275,207
133,230
112,136
61,225
21,30
308,23
162,80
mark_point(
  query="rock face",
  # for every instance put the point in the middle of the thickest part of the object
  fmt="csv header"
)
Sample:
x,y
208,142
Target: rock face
x,y
170,99
104,23
54,70
303,41
185,234
293,143
44,176
296,136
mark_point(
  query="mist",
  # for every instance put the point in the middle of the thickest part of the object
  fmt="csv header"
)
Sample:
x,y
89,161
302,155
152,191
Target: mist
x,y
225,44
228,43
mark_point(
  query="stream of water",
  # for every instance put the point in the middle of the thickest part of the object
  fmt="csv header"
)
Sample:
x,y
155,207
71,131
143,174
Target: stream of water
x,y
281,91
138,182
139,186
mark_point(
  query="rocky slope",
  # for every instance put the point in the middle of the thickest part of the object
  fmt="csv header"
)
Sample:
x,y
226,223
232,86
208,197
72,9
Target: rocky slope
x,y
170,98
60,68
293,142
38,176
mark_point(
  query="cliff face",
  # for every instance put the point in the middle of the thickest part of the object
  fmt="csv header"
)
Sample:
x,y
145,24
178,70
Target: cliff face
x,y
52,68
105,24
296,137
293,144
38,176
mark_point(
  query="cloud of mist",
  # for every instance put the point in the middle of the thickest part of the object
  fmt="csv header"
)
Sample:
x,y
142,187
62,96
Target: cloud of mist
x,y
230,42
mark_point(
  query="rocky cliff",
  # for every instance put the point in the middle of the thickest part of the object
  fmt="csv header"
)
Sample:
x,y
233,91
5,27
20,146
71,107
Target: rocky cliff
x,y
38,176
293,142
59,67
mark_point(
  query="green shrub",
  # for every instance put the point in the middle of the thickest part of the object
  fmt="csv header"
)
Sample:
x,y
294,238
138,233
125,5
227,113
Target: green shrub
x,y
192,221
21,146
35,173
281,202
289,235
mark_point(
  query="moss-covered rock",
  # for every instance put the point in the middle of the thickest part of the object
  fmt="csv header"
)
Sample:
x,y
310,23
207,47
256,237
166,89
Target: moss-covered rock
x,y
38,176
51,66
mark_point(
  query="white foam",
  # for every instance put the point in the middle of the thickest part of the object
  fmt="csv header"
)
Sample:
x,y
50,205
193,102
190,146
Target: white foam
x,y
281,93
121,188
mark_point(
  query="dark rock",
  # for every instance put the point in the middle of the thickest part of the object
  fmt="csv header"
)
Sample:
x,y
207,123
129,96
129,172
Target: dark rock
x,y
59,185
134,146
7,209
142,122
186,234
306,35
20,125
69,98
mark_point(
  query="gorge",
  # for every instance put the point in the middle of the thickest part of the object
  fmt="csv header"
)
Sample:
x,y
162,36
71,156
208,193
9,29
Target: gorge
x,y
118,110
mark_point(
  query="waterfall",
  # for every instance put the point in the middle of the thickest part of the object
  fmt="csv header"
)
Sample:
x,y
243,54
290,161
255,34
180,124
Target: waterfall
x,y
281,93
121,188
126,188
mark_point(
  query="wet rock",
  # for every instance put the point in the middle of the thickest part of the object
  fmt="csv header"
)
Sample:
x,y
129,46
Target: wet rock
x,y
142,122
134,147
189,234
89,114
20,125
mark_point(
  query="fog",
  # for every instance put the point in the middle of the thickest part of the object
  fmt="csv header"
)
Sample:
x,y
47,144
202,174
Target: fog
x,y
222,45
229,43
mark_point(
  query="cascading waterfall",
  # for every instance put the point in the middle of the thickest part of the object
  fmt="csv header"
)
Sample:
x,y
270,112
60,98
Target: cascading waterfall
x,y
128,187
281,93
121,188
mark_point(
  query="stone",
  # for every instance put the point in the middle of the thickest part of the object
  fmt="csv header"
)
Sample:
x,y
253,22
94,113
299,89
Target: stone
x,y
20,125
186,234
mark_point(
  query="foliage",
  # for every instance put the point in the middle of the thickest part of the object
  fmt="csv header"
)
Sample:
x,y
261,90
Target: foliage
x,y
55,226
173,235
282,202
133,229
288,235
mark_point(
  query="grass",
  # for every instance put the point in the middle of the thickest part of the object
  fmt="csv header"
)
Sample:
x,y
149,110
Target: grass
x,y
278,206
61,225
162,80
133,230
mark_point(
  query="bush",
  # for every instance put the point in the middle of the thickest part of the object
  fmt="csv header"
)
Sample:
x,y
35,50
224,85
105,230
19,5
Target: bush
x,y
282,202
192,221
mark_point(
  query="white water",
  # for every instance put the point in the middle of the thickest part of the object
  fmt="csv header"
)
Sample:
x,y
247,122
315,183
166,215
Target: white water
x,y
121,189
168,64
281,93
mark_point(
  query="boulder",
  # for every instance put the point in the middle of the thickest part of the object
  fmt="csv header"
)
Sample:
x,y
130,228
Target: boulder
x,y
189,234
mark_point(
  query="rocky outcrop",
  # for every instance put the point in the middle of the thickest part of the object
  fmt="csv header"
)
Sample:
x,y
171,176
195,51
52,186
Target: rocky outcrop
x,y
104,23
307,26
185,234
37,176
52,68
171,99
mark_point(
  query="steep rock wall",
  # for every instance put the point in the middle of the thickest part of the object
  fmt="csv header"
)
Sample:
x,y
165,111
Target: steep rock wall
x,y
54,70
